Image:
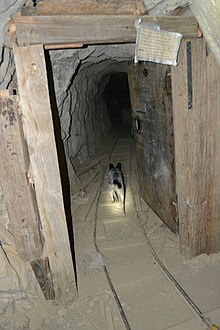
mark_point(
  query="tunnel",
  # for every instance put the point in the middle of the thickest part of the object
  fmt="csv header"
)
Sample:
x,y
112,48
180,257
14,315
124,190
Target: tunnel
x,y
117,256
94,103
92,98
93,88
117,99
90,105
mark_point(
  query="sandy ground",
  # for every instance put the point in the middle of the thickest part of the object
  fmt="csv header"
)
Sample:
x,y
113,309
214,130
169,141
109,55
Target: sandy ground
x,y
120,283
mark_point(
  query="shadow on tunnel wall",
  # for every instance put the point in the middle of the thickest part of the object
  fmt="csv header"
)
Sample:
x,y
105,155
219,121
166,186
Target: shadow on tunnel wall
x,y
61,158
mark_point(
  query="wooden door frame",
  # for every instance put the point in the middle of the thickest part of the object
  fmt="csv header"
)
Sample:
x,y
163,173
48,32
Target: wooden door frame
x,y
197,148
34,30
43,168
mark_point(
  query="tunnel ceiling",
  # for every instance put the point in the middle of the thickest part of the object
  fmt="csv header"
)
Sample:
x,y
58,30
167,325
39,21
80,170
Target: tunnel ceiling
x,y
80,79
67,63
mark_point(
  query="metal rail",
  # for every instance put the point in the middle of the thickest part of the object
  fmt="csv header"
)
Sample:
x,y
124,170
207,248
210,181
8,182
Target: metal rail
x,y
161,266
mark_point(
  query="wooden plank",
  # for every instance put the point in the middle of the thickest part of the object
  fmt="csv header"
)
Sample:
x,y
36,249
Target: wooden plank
x,y
86,7
38,125
90,29
62,46
18,191
134,88
213,180
154,143
191,157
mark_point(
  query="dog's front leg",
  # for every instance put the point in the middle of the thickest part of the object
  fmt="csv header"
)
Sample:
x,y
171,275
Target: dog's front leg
x,y
113,196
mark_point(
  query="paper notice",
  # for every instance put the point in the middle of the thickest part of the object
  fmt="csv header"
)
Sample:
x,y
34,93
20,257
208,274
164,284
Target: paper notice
x,y
155,45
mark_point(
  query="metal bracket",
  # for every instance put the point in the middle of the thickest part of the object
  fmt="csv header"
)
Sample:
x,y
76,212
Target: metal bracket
x,y
189,74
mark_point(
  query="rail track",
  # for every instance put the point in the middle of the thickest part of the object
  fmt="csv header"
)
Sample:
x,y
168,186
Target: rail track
x,y
114,232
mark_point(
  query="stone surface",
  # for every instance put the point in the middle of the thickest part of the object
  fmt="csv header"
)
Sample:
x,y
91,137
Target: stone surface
x,y
156,7
7,72
210,23
80,78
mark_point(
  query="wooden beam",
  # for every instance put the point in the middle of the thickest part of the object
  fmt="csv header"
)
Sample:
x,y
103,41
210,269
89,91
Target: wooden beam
x,y
86,7
213,180
134,87
18,191
90,29
191,134
39,131
62,46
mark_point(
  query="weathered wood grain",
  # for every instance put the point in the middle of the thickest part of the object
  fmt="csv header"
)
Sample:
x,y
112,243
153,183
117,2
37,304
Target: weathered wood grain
x,y
151,103
213,156
91,29
134,87
44,169
86,7
191,157
18,191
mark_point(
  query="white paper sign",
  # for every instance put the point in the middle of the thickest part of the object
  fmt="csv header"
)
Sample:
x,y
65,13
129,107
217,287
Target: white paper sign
x,y
155,45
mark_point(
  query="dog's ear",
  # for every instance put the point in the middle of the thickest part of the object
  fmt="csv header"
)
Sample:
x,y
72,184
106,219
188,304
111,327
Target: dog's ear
x,y
111,166
118,166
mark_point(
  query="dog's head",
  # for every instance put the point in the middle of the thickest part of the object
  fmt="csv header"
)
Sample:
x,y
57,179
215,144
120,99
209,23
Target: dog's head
x,y
118,166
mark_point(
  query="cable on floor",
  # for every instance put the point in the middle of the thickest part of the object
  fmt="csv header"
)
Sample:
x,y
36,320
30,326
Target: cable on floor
x,y
166,272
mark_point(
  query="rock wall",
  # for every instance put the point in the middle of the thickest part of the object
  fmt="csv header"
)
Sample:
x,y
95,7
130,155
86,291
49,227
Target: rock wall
x,y
164,7
11,284
75,71
80,77
210,24
7,72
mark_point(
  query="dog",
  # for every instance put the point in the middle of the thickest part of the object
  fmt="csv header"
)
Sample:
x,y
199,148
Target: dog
x,y
116,184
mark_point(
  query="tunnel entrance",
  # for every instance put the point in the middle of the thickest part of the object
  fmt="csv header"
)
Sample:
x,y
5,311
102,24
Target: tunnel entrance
x,y
117,99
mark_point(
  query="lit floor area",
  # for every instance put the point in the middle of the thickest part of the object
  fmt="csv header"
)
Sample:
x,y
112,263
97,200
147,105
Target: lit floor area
x,y
128,264
121,284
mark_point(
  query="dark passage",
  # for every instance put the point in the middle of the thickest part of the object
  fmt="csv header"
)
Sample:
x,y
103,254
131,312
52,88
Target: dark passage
x,y
117,98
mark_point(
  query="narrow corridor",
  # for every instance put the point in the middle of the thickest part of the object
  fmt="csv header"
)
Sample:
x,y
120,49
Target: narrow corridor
x,y
119,279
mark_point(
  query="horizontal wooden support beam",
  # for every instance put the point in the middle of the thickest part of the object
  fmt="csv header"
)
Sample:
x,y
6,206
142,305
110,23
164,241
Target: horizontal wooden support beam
x,y
62,46
91,29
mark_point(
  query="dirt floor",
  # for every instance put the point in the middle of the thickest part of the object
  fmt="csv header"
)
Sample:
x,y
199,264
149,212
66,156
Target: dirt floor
x,y
129,269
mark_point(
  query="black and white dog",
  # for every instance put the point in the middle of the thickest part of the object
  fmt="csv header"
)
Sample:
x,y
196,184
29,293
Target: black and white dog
x,y
116,184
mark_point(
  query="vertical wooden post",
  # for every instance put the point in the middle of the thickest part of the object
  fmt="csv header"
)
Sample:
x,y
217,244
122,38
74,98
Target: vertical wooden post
x,y
197,155
213,109
18,192
44,168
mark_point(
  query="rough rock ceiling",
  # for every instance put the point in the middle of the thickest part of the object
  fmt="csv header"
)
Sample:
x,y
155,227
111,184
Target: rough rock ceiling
x,y
165,7
105,7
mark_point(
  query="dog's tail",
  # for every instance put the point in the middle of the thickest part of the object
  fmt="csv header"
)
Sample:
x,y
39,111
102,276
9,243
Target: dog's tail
x,y
117,183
